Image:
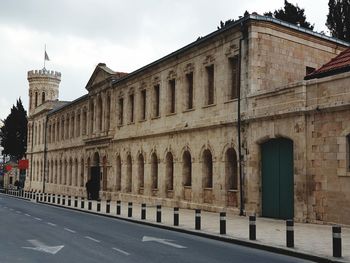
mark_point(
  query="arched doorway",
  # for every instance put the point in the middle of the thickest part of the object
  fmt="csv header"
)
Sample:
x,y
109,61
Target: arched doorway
x,y
95,177
277,178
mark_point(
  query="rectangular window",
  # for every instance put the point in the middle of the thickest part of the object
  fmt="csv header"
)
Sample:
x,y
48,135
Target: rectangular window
x,y
143,104
189,93
121,111
131,112
156,101
234,78
171,96
210,84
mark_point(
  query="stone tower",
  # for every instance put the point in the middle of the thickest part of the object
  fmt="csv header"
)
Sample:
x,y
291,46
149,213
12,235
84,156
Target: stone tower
x,y
43,86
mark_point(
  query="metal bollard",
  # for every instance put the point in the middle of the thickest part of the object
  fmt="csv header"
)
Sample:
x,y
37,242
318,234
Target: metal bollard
x,y
53,198
290,233
130,209
98,207
176,216
337,241
198,219
41,197
252,227
89,205
45,197
49,198
75,201
143,211
82,203
108,206
118,207
59,199
69,200
37,197
222,223
63,200
159,213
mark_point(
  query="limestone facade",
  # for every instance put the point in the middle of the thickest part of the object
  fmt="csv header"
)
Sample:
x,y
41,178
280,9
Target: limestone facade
x,y
167,133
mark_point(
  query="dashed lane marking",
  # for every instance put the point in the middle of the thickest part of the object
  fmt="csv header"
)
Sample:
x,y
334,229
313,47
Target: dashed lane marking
x,y
51,224
121,251
18,212
27,214
37,218
92,239
69,230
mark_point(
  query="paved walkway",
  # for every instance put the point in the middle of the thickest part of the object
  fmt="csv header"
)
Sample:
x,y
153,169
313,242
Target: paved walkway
x,y
309,238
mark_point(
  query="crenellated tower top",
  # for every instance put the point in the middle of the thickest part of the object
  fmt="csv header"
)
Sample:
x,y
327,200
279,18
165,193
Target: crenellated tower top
x,y
43,86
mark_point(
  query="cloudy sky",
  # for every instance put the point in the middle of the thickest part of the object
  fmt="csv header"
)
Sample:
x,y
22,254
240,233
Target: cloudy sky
x,y
123,34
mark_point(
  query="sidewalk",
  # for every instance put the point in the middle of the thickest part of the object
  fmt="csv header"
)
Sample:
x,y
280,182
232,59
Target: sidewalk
x,y
310,239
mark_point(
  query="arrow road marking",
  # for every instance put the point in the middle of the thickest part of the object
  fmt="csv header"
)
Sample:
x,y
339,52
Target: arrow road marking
x,y
162,241
39,246
121,251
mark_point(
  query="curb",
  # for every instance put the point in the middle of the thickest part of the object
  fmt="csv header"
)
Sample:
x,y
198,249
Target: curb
x,y
223,238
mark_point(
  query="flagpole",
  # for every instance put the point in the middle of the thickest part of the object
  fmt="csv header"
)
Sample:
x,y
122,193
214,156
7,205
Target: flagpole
x,y
44,56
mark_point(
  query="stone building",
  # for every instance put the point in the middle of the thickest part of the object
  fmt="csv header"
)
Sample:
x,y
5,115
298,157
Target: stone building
x,y
168,132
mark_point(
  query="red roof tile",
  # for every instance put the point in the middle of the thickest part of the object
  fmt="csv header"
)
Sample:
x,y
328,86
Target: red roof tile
x,y
338,64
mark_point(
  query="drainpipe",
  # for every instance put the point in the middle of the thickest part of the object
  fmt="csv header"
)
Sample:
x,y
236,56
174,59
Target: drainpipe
x,y
240,156
45,153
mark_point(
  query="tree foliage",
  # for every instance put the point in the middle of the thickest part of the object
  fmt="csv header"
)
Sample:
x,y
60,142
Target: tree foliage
x,y
292,14
13,133
338,19
230,21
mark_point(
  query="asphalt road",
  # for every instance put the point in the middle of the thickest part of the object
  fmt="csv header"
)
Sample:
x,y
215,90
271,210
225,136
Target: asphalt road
x,y
33,232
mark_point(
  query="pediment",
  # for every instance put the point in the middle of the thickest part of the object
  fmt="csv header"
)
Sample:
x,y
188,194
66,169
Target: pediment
x,y
100,75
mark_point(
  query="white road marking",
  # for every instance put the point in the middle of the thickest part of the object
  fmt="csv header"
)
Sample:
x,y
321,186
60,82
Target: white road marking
x,y
51,224
121,251
18,212
27,214
37,218
162,241
39,246
69,230
11,209
92,239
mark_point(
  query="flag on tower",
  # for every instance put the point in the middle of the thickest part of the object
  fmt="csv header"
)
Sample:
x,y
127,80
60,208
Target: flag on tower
x,y
46,56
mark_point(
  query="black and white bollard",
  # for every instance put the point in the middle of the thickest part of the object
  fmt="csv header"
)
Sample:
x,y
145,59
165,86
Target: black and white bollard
x,y
222,223
143,211
69,200
159,214
290,233
336,241
59,199
176,216
90,205
49,198
45,197
82,203
118,207
53,198
108,206
198,219
98,208
63,200
41,197
130,209
252,227
75,201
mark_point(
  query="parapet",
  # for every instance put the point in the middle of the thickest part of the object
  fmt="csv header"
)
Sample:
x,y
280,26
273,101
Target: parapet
x,y
44,73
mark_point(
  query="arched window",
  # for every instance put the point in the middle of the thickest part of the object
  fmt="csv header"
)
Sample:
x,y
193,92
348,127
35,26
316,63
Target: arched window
x,y
36,99
76,172
84,122
128,174
52,171
60,175
70,174
43,97
64,182
348,152
187,169
100,113
82,173
118,173
108,114
104,173
154,171
169,171
56,171
207,169
141,170
231,169
92,117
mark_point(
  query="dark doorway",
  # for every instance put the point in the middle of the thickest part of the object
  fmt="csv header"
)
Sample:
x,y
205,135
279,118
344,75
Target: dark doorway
x,y
277,179
95,177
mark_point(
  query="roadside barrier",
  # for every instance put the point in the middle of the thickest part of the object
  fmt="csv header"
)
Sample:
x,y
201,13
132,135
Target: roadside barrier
x,y
337,250
197,219
159,214
118,207
130,209
290,233
252,227
143,211
222,223
176,216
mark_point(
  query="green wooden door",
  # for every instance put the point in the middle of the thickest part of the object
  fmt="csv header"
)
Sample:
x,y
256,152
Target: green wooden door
x,y
277,179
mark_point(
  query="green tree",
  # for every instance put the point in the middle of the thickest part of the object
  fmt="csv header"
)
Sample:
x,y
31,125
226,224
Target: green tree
x,y
338,19
291,14
14,132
